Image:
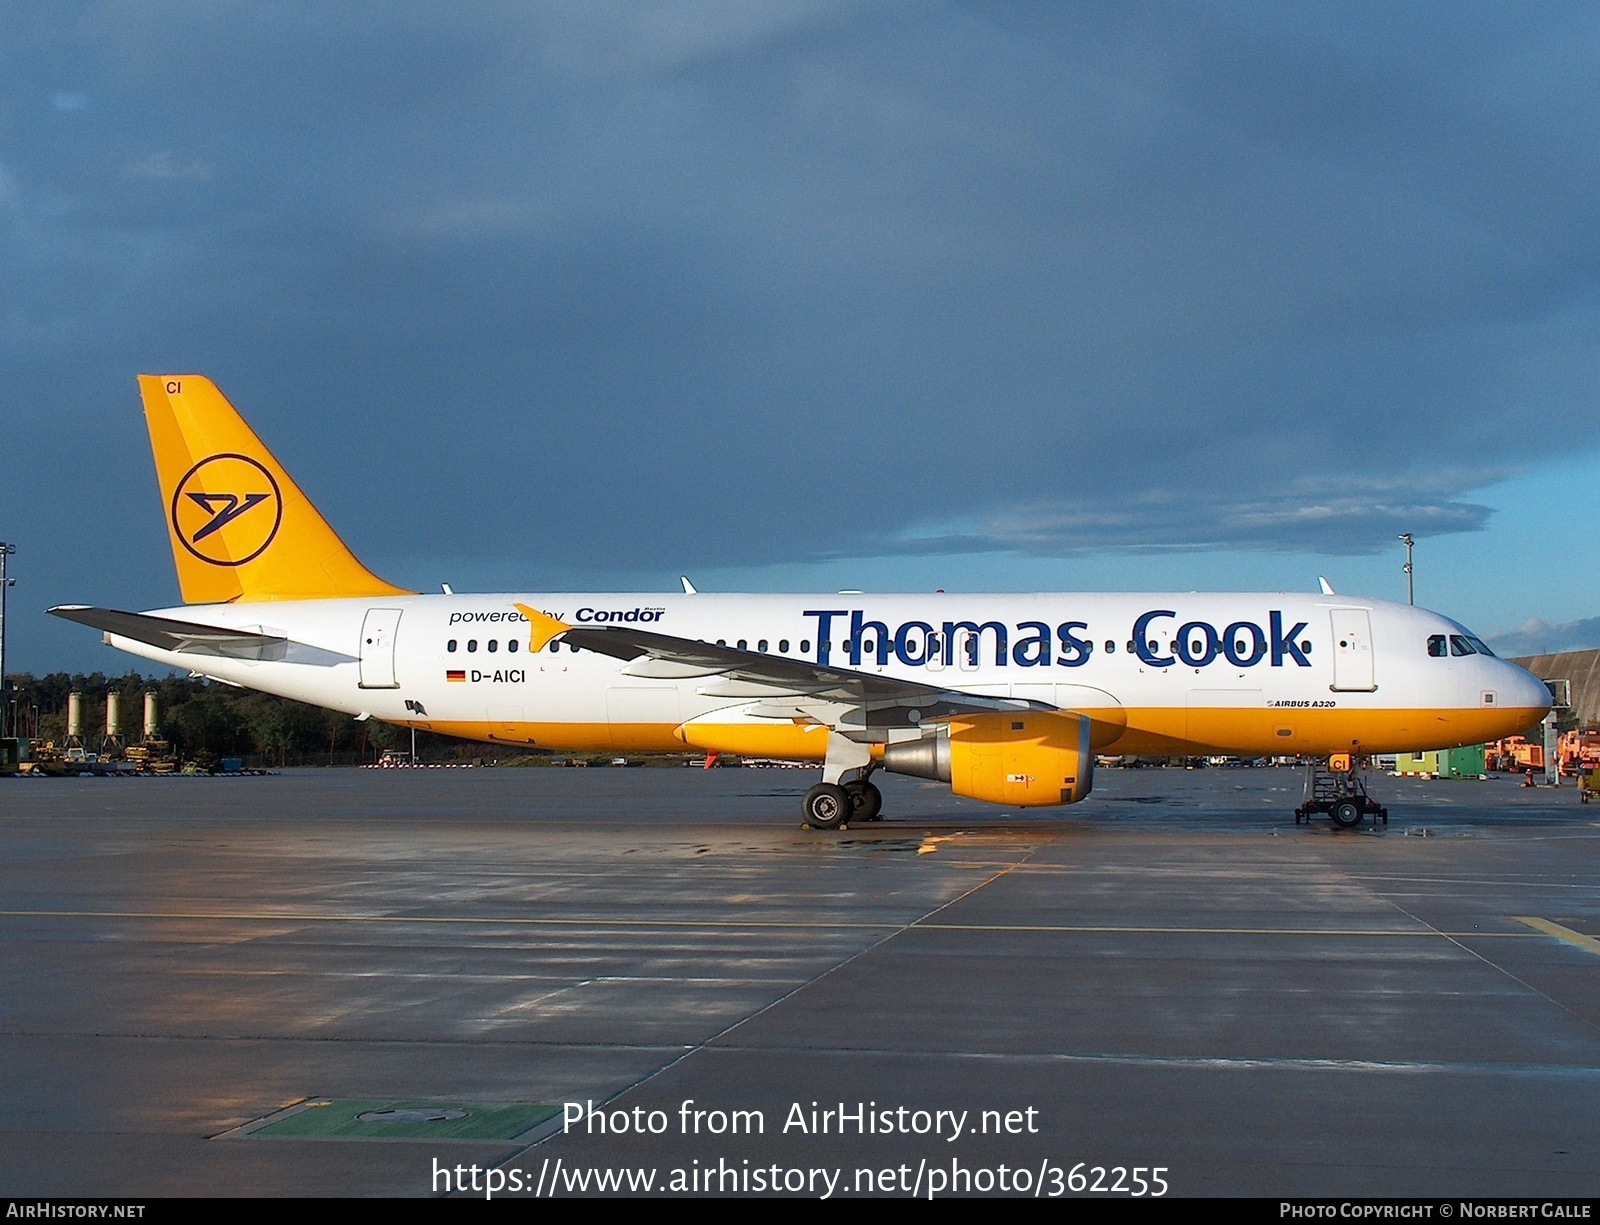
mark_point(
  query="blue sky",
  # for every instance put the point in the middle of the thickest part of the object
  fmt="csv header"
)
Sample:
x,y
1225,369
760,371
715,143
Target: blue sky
x,y
819,295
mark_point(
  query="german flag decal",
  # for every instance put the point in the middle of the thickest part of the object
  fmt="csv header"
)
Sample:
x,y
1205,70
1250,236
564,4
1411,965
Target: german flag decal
x,y
453,676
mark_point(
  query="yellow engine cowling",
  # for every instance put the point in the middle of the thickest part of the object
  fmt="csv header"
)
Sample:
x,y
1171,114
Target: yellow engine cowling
x,y
1023,759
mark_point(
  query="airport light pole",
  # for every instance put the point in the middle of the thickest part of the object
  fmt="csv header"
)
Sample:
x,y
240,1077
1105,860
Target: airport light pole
x,y
1406,539
6,550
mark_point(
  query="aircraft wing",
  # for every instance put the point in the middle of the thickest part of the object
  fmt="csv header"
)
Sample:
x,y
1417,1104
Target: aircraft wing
x,y
732,673
187,637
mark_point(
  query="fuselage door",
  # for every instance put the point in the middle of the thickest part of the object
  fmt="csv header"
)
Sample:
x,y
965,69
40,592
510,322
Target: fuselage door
x,y
378,633
1352,650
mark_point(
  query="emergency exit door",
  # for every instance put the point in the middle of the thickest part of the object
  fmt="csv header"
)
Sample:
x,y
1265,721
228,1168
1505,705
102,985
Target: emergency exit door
x,y
378,633
1352,650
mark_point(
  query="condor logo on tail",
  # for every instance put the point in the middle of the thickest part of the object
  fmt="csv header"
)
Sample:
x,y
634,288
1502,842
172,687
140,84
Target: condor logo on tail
x,y
227,509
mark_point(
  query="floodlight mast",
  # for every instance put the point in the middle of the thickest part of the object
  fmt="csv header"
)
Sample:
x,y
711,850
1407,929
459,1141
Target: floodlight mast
x,y
6,550
1406,539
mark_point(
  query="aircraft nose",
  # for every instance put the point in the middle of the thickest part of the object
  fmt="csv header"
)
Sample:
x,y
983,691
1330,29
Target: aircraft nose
x,y
1525,691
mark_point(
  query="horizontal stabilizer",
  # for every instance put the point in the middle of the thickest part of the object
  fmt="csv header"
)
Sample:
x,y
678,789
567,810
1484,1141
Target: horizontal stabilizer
x,y
187,637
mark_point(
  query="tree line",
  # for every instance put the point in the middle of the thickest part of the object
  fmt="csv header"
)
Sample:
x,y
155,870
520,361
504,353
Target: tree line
x,y
206,719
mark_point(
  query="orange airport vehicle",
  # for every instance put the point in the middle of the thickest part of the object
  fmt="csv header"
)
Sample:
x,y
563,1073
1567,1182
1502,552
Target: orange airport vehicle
x,y
1514,755
1579,752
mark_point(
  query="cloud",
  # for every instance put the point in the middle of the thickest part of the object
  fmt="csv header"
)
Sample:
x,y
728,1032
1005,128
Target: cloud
x,y
786,282
167,165
1536,637
1322,515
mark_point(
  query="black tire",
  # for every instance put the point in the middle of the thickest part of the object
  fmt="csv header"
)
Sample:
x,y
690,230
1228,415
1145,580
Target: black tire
x,y
1347,814
866,802
827,806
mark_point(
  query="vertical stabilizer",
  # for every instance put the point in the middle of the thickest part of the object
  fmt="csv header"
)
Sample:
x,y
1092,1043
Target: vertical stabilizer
x,y
240,527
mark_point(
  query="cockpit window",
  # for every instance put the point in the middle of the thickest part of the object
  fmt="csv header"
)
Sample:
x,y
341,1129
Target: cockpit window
x,y
1478,645
1437,647
1461,646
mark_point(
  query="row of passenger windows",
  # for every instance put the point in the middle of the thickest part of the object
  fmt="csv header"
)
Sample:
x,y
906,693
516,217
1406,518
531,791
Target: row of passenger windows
x,y
1459,644
491,646
1437,646
761,645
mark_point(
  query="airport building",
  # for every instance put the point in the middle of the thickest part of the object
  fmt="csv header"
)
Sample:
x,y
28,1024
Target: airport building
x,y
1578,672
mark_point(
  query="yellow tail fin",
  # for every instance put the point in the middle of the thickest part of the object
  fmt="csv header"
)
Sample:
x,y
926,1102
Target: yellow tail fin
x,y
240,527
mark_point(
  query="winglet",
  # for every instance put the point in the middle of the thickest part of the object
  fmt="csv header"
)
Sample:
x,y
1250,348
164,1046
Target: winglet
x,y
541,629
1327,587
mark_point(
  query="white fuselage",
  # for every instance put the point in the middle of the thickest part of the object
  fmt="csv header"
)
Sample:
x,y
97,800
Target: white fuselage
x,y
1243,673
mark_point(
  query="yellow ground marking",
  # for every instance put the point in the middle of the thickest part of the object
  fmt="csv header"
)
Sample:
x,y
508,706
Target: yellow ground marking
x,y
735,924
932,842
1565,934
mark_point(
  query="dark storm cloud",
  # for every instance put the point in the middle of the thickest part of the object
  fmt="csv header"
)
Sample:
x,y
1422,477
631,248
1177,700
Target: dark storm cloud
x,y
1366,513
601,284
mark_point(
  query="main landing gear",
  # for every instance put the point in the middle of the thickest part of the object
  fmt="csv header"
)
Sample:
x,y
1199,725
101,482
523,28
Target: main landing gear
x,y
845,793
831,806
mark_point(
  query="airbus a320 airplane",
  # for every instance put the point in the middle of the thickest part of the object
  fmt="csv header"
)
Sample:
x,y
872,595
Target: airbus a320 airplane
x,y
1008,698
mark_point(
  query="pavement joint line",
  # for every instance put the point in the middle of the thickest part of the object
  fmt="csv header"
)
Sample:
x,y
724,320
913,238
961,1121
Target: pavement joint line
x,y
1565,934
1461,943
781,924
1224,1062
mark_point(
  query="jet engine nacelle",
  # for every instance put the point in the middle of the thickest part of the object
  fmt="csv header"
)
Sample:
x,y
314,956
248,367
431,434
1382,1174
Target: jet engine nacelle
x,y
1028,758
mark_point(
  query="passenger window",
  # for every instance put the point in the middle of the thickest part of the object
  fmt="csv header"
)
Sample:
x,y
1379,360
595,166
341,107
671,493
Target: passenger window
x,y
494,645
722,642
451,646
1436,646
824,646
743,644
1460,646
554,647
472,645
574,647
805,645
1111,647
512,646
762,646
783,646
868,646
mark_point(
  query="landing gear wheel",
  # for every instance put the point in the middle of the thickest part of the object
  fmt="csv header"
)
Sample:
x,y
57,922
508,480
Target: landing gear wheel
x,y
866,802
1347,814
827,806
